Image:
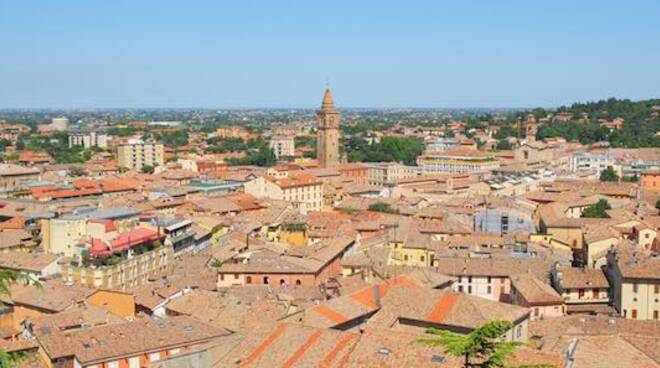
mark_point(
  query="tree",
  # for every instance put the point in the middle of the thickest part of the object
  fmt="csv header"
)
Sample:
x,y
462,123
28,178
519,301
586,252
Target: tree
x,y
146,169
657,204
609,175
503,145
382,207
483,345
77,171
597,210
7,279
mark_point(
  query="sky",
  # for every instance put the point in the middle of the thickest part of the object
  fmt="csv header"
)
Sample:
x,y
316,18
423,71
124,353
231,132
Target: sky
x,y
278,53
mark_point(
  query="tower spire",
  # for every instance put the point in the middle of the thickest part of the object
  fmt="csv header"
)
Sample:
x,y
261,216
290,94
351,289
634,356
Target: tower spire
x,y
328,104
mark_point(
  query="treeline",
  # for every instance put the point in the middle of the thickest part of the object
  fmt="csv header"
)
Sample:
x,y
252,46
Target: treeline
x,y
392,148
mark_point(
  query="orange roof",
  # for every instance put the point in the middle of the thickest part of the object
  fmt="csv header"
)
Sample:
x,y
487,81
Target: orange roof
x,y
329,313
256,353
298,180
443,307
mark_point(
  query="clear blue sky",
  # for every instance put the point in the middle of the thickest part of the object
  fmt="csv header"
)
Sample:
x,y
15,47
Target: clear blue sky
x,y
279,53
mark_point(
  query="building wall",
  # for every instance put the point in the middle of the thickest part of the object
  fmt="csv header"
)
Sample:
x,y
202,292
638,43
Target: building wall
x,y
127,274
640,299
283,147
64,235
497,288
137,155
650,180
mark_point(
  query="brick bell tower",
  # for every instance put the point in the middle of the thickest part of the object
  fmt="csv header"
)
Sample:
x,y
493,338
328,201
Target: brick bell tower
x,y
327,145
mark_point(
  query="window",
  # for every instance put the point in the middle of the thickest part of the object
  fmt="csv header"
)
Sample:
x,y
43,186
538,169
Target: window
x,y
656,288
519,331
470,279
222,277
634,287
405,258
580,293
596,293
470,289
633,313
489,290
282,282
248,280
298,282
460,288
655,315
421,258
489,279
134,362
266,280
460,278
154,357
235,276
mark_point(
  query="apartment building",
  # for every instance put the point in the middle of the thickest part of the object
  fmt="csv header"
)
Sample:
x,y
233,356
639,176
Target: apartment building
x,y
131,271
136,154
458,160
389,173
635,283
282,146
584,161
584,290
88,139
302,190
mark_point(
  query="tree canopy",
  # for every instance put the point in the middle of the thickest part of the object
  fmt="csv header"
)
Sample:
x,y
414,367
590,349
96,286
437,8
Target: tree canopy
x,y
597,210
609,175
483,347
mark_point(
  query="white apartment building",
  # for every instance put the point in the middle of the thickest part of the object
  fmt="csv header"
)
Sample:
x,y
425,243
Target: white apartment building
x,y
584,161
282,146
88,139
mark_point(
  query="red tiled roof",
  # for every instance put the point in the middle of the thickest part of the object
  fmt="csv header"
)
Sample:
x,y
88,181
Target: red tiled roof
x,y
442,308
123,241
279,330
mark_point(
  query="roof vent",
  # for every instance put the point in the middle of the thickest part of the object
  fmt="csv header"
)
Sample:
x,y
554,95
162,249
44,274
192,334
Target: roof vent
x,y
384,351
438,359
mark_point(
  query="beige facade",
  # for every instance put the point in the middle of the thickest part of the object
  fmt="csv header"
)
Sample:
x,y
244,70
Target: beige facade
x,y
389,173
131,272
137,154
635,287
306,193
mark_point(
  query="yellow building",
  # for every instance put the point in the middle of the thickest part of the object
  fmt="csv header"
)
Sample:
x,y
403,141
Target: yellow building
x,y
635,285
130,272
136,154
457,160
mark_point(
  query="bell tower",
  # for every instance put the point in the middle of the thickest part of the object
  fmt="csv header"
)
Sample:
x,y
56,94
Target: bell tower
x,y
327,145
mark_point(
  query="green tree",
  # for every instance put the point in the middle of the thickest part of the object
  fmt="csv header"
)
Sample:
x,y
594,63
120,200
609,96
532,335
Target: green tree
x,y
609,175
597,210
657,204
7,279
382,207
147,169
503,145
77,171
483,347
